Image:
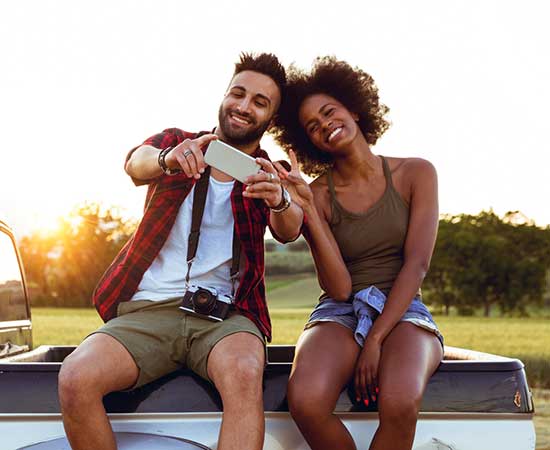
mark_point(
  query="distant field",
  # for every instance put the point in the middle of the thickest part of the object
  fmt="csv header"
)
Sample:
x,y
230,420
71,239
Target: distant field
x,y
291,301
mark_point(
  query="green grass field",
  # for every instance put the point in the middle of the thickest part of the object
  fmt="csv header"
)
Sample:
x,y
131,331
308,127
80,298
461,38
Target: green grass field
x,y
291,301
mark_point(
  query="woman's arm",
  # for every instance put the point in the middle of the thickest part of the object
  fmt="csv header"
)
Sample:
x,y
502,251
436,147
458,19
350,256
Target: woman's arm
x,y
332,273
418,249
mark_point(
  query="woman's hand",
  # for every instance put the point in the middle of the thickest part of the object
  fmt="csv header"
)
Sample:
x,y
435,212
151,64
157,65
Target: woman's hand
x,y
366,372
299,190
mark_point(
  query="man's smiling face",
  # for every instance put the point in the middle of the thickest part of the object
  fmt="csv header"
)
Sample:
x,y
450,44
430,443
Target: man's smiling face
x,y
250,103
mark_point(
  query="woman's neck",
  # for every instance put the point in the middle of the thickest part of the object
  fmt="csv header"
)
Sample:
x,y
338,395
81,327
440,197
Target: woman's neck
x,y
357,162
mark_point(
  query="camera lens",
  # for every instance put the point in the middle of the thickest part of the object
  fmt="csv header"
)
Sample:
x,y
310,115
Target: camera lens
x,y
203,301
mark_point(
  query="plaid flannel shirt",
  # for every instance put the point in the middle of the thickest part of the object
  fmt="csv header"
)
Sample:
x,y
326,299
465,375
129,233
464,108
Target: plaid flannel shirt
x,y
165,195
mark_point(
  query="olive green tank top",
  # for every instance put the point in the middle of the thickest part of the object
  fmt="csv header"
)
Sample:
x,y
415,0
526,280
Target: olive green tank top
x,y
371,243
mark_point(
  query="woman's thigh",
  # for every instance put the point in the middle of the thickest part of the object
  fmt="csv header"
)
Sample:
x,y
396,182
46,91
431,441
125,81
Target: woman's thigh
x,y
325,360
409,357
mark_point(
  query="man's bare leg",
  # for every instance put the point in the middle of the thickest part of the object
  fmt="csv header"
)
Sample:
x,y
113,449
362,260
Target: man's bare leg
x,y
98,366
236,366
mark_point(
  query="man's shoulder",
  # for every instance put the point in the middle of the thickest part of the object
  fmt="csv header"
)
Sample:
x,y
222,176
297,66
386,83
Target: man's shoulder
x,y
181,133
170,137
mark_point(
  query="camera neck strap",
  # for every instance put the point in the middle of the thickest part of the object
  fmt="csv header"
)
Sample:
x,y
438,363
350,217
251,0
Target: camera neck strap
x,y
199,200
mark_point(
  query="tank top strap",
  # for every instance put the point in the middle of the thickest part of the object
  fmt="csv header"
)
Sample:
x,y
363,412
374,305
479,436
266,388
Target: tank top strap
x,y
387,171
334,206
330,182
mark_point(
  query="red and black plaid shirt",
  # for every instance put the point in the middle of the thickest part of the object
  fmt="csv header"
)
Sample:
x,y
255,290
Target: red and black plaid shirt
x,y
164,198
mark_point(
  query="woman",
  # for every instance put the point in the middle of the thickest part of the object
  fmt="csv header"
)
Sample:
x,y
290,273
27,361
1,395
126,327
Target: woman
x,y
371,225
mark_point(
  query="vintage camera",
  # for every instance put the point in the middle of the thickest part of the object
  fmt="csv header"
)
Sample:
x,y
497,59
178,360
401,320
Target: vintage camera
x,y
205,302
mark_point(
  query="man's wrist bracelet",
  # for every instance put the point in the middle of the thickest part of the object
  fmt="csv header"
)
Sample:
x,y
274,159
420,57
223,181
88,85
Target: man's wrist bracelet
x,y
162,162
285,202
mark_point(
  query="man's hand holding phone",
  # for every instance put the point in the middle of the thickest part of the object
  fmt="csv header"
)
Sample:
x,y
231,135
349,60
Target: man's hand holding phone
x,y
294,182
258,173
188,156
265,185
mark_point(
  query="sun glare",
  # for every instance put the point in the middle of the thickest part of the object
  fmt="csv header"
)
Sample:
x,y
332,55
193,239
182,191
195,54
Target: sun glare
x,y
45,223
73,220
51,221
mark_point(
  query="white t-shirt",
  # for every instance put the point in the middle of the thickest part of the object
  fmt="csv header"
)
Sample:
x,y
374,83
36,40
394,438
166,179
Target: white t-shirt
x,y
165,278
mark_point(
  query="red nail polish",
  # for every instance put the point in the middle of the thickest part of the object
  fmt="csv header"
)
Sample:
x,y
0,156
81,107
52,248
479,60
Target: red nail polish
x,y
366,402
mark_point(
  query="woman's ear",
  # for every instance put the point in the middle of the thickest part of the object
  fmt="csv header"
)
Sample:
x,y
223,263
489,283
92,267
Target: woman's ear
x,y
355,116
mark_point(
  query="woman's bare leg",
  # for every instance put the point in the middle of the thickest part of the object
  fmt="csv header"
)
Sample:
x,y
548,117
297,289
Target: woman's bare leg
x,y
324,363
409,357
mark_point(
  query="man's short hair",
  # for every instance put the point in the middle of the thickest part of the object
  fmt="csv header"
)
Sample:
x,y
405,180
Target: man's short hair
x,y
264,63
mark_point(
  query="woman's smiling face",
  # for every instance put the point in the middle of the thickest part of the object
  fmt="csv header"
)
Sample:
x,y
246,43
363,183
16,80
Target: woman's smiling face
x,y
328,123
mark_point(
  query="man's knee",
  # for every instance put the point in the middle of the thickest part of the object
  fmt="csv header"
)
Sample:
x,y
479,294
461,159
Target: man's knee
x,y
98,366
239,370
76,383
239,367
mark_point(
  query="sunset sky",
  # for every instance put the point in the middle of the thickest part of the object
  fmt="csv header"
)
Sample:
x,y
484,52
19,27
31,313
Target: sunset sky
x,y
82,82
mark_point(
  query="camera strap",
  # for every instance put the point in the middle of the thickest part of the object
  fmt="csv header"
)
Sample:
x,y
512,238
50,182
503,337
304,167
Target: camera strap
x,y
199,200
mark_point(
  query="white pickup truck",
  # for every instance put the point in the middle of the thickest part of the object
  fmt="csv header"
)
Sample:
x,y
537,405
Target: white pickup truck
x,y
475,401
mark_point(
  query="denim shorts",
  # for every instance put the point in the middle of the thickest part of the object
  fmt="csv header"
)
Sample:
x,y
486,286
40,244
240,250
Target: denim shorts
x,y
359,313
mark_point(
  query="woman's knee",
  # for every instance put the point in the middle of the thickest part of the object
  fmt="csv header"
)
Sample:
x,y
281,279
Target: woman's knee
x,y
399,411
307,400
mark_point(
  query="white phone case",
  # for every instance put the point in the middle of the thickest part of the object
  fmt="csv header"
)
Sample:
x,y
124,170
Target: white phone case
x,y
231,161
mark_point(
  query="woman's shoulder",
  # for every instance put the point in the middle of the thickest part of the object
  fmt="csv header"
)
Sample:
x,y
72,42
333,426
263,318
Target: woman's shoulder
x,y
321,193
410,167
320,183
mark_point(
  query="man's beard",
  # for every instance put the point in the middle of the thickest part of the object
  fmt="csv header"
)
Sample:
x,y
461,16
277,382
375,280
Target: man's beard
x,y
240,137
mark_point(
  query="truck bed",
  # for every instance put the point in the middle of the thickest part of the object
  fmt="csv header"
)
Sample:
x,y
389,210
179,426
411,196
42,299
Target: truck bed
x,y
472,391
466,381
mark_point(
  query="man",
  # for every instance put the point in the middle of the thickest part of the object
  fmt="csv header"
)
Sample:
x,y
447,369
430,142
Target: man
x,y
154,269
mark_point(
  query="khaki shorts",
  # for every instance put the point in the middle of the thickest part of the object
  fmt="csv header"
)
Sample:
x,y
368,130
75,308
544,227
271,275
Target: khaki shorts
x,y
162,338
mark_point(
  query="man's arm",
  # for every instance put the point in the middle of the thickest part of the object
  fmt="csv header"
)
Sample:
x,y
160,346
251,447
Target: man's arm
x,y
266,185
143,163
288,223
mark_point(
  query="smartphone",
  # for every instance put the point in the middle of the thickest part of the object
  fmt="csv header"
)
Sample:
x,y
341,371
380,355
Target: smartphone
x,y
230,161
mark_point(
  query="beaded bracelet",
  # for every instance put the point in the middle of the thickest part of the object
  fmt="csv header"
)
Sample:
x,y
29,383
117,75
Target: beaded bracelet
x,y
162,162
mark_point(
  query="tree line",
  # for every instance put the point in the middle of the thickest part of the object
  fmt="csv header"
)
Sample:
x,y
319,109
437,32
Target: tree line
x,y
483,261
480,261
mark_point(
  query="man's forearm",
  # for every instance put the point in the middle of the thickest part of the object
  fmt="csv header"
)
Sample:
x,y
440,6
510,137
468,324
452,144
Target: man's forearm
x,y
143,163
287,224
